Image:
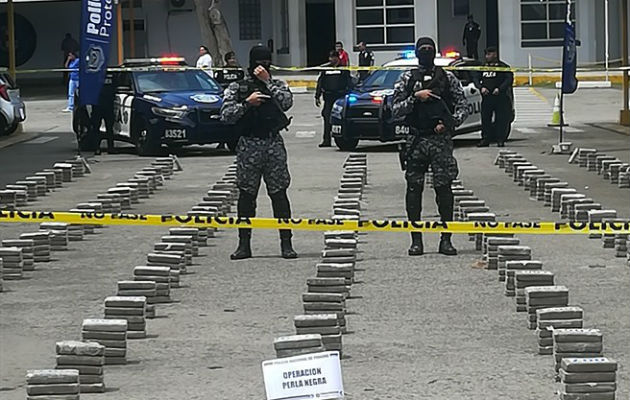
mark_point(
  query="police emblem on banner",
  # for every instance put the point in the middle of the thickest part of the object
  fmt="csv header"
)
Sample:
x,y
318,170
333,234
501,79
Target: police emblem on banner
x,y
95,58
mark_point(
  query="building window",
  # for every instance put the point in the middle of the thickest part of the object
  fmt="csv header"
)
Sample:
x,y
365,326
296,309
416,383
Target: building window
x,y
542,22
461,8
385,22
249,20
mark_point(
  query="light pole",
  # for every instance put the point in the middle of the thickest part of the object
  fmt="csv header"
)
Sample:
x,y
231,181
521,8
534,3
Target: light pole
x,y
606,38
624,115
119,31
11,29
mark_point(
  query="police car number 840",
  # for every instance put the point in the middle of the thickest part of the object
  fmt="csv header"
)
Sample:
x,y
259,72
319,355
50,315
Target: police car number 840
x,y
175,133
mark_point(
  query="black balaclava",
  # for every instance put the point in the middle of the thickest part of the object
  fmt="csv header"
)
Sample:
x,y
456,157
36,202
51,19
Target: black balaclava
x,y
256,54
425,57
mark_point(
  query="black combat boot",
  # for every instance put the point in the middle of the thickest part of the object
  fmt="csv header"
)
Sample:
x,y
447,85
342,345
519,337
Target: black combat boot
x,y
417,248
282,209
483,143
446,247
244,249
286,248
413,204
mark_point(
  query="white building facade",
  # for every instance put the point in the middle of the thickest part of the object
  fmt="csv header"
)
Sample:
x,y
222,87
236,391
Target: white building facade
x,y
301,32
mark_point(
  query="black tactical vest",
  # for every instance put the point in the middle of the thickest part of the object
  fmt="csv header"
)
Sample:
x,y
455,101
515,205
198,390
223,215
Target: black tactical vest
x,y
427,114
225,76
335,83
263,121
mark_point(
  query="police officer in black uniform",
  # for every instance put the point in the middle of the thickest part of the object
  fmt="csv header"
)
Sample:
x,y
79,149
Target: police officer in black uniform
x,y
366,59
104,111
432,102
332,85
230,73
496,91
472,33
256,107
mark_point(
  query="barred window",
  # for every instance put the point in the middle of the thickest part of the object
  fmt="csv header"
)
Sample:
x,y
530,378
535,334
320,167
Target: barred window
x,y
249,20
542,22
461,8
385,21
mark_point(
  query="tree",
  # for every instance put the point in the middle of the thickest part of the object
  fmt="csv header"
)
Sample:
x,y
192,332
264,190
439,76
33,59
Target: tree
x,y
214,30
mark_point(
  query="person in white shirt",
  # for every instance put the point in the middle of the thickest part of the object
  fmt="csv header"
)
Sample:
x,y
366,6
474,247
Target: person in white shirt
x,y
204,60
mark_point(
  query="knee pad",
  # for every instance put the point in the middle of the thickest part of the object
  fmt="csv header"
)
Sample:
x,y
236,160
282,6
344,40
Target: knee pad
x,y
444,190
444,200
246,206
280,204
414,188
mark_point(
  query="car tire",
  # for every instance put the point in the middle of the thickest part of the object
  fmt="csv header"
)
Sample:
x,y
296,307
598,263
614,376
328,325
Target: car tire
x,y
345,144
146,145
81,128
11,128
3,126
232,145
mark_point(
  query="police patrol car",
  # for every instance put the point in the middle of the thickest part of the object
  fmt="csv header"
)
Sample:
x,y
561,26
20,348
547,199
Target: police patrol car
x,y
365,113
160,102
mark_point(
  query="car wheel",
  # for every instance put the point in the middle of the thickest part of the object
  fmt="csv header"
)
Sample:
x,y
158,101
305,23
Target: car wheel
x,y
3,126
86,141
232,145
11,128
146,145
346,144
77,120
81,127
174,148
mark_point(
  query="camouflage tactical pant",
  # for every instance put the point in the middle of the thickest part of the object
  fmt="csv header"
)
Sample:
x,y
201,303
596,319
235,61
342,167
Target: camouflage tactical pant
x,y
262,158
435,151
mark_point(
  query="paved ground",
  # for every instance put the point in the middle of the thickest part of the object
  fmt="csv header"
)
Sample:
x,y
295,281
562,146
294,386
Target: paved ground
x,y
430,327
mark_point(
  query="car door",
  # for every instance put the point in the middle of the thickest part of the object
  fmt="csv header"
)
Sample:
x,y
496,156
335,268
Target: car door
x,y
123,103
473,96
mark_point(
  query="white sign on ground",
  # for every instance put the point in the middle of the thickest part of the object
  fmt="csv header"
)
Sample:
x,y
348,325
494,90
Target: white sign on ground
x,y
305,134
311,376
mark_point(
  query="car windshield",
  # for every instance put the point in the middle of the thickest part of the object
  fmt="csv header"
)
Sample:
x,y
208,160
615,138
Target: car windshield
x,y
175,81
383,78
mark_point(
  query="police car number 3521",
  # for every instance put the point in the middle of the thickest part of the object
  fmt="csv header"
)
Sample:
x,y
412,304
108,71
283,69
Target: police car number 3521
x,y
175,133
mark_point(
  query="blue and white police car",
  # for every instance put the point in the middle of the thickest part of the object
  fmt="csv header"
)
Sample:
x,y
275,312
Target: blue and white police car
x,y
365,113
159,102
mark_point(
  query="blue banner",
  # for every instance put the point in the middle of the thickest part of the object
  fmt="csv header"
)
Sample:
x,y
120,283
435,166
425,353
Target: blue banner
x,y
569,60
97,29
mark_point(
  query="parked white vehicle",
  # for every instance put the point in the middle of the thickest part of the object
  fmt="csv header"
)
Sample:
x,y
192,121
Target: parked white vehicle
x,y
12,109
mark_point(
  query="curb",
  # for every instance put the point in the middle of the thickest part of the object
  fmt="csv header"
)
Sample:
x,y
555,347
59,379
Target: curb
x,y
18,137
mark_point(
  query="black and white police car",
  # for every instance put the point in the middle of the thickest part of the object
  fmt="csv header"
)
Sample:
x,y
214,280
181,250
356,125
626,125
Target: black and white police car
x,y
365,113
159,102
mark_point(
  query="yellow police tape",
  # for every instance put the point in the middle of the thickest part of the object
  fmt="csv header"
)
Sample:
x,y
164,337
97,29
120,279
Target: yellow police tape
x,y
318,224
326,68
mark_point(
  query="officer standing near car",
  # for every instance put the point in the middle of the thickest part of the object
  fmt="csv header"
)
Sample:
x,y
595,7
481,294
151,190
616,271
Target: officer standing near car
x,y
472,33
366,59
433,104
104,112
231,72
256,107
496,92
332,85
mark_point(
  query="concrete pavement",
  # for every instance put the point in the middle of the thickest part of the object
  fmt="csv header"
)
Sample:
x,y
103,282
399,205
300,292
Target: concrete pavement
x,y
430,327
